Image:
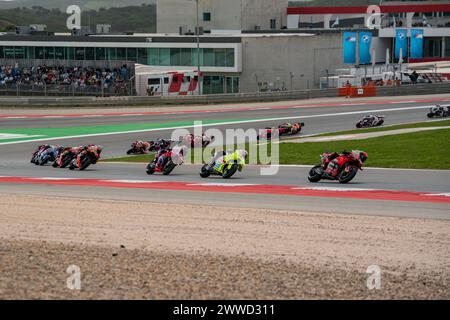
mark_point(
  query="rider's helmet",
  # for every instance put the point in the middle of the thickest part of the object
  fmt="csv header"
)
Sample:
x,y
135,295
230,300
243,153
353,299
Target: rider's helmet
x,y
243,154
363,156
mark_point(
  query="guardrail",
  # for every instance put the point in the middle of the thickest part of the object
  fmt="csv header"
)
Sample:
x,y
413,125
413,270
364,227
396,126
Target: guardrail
x,y
421,89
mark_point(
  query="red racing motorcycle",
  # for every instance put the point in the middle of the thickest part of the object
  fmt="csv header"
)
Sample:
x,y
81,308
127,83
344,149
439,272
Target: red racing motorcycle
x,y
342,167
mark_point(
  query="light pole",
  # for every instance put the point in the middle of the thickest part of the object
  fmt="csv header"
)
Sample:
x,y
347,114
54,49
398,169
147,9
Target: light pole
x,y
198,49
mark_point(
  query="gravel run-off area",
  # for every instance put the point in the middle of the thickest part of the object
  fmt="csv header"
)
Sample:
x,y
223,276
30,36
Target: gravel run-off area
x,y
143,250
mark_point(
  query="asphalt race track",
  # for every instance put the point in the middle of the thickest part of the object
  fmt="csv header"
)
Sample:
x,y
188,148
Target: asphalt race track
x,y
14,162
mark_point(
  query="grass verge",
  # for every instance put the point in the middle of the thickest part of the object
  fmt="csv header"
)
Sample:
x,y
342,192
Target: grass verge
x,y
428,124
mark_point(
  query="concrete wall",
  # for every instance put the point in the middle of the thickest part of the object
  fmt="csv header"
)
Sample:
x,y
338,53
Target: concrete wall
x,y
225,14
171,14
272,59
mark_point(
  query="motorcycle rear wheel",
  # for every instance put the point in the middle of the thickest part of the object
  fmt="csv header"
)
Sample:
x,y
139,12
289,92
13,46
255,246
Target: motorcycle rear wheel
x,y
346,177
314,176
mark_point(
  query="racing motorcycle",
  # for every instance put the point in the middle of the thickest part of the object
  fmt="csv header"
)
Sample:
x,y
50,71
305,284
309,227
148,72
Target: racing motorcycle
x,y
226,166
46,155
370,122
140,147
35,155
194,141
160,144
348,164
439,112
172,159
284,129
66,156
84,159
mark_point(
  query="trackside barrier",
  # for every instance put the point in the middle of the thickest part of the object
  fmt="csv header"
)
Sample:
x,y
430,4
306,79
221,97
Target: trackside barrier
x,y
422,89
358,92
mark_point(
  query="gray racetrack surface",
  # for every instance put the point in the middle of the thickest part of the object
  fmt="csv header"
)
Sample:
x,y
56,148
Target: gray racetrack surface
x,y
14,161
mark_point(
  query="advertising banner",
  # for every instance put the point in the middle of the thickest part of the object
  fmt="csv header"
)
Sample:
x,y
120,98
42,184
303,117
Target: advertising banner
x,y
349,47
365,43
416,43
401,41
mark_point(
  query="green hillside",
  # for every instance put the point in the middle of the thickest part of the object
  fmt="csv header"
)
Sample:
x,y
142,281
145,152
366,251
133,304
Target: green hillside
x,y
141,18
63,4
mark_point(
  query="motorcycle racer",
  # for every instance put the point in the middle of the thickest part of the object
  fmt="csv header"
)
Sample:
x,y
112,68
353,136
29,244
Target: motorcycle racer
x,y
439,111
219,157
369,121
176,153
193,141
39,150
282,129
140,146
48,153
73,151
335,161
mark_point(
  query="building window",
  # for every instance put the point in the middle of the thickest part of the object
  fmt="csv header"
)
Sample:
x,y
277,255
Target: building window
x,y
100,54
59,53
230,57
186,57
164,57
143,56
175,56
121,53
273,24
206,16
208,57
220,58
132,54
111,54
90,54
154,56
50,53
79,53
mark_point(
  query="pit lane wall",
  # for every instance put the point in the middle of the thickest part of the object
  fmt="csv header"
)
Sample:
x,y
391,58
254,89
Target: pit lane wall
x,y
422,89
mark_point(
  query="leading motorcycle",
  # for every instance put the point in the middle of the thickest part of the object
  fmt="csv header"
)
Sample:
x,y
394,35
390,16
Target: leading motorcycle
x,y
346,166
439,112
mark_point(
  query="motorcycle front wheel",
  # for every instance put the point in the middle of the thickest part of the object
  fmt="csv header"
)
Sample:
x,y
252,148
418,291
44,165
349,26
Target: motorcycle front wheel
x,y
86,162
169,168
314,175
228,172
347,176
150,168
204,171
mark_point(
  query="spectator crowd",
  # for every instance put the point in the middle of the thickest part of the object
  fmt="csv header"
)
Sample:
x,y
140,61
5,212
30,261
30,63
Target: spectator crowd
x,y
80,77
